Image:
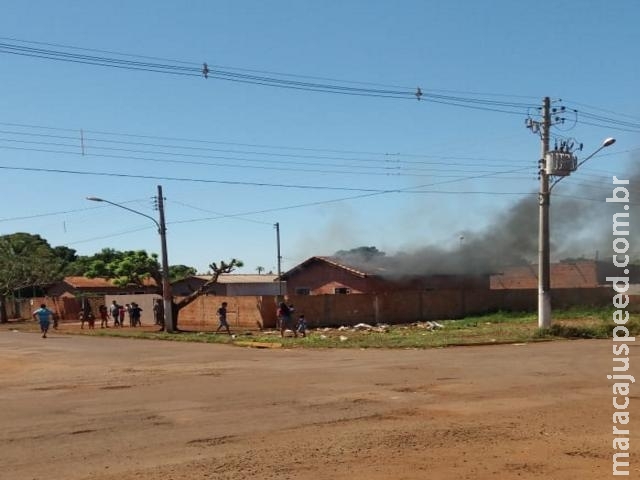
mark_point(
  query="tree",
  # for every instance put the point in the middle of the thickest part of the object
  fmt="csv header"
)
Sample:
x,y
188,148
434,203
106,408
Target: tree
x,y
178,272
134,267
216,270
259,270
82,264
26,260
66,254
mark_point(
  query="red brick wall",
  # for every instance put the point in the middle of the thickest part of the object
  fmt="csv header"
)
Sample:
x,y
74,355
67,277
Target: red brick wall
x,y
322,278
250,313
242,312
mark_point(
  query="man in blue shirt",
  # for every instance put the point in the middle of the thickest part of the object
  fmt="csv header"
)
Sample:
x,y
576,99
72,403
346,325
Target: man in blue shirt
x,y
44,316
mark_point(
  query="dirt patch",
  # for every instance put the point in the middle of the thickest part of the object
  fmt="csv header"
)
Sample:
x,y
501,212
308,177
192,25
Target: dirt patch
x,y
106,409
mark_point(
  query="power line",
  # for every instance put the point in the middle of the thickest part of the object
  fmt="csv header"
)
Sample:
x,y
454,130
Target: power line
x,y
274,80
604,110
268,72
388,158
219,213
248,163
184,179
391,172
48,214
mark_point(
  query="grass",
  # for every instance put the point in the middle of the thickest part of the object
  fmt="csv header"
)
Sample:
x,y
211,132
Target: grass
x,y
494,328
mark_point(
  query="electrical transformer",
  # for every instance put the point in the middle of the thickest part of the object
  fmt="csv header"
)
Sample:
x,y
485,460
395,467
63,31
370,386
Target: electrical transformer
x,y
560,164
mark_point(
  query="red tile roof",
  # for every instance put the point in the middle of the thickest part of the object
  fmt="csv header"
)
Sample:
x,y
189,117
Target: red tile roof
x,y
563,275
233,278
98,282
336,262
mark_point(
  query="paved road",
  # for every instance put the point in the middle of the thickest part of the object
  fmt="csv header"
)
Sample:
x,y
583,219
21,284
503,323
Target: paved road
x,y
80,407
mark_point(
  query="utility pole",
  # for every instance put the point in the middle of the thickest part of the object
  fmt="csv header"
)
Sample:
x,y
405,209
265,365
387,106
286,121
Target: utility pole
x,y
558,163
544,198
277,225
167,298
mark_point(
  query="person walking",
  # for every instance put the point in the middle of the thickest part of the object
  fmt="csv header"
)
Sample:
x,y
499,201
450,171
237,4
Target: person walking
x,y
301,327
121,312
127,307
115,313
43,315
285,320
104,316
222,318
136,314
158,312
91,319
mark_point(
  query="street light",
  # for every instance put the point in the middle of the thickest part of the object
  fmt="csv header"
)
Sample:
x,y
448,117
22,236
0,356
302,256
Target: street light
x,y
544,264
606,143
162,230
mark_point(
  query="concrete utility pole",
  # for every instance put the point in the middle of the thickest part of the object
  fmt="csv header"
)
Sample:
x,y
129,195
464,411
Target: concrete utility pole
x,y
167,297
544,198
559,163
162,230
277,225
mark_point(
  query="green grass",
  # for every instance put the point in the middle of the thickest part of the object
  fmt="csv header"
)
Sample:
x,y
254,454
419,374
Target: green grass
x,y
494,328
585,313
601,329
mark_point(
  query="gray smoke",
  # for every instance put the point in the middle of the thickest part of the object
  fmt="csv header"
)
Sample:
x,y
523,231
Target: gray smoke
x,y
581,228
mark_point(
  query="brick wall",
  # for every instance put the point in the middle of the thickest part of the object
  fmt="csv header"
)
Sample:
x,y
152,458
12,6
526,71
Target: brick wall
x,y
321,278
242,312
250,313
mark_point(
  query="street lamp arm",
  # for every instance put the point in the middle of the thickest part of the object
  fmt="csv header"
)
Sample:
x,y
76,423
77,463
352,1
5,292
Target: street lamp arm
x,y
608,142
167,298
96,199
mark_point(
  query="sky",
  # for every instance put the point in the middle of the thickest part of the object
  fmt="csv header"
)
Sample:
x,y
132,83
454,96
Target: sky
x,y
336,170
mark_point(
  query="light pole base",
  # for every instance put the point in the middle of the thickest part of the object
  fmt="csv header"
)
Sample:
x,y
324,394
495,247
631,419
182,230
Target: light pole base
x,y
544,309
168,316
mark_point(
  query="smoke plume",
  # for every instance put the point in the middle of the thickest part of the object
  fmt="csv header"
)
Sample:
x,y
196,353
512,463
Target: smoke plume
x,y
580,225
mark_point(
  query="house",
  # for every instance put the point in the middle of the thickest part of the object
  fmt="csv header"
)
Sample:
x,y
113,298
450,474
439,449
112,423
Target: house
x,y
580,274
329,275
230,285
84,286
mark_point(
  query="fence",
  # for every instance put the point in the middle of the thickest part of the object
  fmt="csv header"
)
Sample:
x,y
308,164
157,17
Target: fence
x,y
257,312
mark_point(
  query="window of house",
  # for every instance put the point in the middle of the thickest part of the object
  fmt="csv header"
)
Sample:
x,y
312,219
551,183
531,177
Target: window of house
x,y
341,291
303,291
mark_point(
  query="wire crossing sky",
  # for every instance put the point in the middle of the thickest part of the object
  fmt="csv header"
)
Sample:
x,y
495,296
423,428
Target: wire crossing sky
x,y
349,125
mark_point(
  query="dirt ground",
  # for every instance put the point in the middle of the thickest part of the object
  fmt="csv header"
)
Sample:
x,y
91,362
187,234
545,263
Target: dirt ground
x,y
80,407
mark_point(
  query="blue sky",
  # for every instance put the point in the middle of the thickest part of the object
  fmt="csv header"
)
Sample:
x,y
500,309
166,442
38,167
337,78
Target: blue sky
x,y
451,169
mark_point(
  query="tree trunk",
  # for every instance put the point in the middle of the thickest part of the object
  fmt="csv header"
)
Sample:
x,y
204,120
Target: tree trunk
x,y
177,306
217,271
176,312
4,318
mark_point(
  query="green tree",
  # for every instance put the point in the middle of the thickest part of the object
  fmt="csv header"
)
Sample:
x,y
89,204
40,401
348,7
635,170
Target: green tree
x,y
178,272
134,267
83,264
216,269
26,260
66,254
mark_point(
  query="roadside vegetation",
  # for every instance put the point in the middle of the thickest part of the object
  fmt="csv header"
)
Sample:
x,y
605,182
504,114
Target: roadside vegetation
x,y
495,328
